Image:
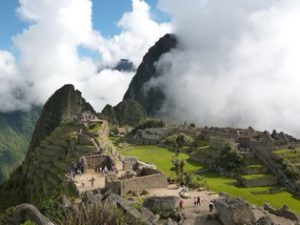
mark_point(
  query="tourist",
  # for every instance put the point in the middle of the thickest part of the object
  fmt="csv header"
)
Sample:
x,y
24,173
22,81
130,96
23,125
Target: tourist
x,y
195,201
82,183
198,200
92,180
211,206
105,170
181,204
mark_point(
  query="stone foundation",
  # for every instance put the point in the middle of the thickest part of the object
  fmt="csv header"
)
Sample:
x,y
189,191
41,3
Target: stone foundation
x,y
137,184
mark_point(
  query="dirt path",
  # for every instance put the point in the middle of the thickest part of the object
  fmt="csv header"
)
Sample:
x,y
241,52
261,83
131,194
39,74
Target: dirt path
x,y
195,215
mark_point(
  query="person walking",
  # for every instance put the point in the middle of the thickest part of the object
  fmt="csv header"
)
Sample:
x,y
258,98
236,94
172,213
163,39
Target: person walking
x,y
92,180
211,206
181,204
195,201
198,200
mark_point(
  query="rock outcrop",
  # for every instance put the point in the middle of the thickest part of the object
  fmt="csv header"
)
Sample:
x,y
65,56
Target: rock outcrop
x,y
151,99
234,211
22,213
127,112
164,206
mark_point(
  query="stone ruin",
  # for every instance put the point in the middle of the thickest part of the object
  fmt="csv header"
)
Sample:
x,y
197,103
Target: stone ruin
x,y
97,160
234,211
138,176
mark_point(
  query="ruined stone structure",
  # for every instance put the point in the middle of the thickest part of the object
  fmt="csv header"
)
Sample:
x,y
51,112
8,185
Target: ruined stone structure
x,y
97,160
148,179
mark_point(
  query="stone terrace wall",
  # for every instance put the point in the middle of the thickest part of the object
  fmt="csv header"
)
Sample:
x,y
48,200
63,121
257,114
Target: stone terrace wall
x,y
263,181
137,184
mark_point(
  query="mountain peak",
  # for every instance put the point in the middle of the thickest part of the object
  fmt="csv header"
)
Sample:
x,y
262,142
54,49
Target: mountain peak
x,y
153,98
65,105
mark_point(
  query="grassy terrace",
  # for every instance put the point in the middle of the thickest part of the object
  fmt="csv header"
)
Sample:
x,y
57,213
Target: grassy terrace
x,y
256,176
161,157
255,166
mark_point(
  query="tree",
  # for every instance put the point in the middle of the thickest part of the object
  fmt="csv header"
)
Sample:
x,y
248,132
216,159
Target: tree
x,y
230,159
180,142
179,168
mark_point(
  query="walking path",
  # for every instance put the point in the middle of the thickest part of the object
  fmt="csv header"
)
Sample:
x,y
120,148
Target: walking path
x,y
195,215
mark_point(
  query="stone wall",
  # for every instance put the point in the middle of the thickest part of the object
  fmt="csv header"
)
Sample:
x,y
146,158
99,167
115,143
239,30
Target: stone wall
x,y
95,160
137,184
254,170
262,181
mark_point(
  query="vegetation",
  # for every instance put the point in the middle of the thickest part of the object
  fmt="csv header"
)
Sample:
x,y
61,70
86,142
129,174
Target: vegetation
x,y
230,159
161,157
15,133
290,161
127,112
28,223
149,123
96,214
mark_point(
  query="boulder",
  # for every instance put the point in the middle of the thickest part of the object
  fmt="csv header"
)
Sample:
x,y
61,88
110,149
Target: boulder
x,y
170,222
23,213
234,211
164,206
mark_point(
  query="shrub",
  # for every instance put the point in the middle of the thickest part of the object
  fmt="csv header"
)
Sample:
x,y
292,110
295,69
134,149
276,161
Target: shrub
x,y
230,159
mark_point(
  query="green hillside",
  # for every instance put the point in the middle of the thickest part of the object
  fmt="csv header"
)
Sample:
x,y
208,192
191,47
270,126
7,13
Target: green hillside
x,y
15,133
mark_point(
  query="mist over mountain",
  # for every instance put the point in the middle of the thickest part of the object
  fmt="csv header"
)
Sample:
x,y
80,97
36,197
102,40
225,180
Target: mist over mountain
x,y
233,72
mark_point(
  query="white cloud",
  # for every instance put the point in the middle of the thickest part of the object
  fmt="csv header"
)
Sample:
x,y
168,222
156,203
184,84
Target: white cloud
x,y
49,52
237,64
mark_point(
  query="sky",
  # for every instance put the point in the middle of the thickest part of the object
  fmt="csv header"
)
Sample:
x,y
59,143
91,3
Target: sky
x,y
46,44
106,14
236,64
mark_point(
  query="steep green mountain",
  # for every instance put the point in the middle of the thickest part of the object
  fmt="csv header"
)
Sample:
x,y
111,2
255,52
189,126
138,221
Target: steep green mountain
x,y
55,144
150,98
15,132
127,112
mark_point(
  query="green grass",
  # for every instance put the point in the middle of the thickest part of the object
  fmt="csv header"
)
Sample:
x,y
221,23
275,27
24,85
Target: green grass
x,y
255,166
256,176
161,157
222,184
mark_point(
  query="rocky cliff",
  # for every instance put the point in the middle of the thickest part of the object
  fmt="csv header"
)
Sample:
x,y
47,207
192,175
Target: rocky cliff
x,y
152,98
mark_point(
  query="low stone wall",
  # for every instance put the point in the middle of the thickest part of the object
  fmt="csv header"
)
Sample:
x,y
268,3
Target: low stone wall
x,y
137,184
283,212
253,170
262,181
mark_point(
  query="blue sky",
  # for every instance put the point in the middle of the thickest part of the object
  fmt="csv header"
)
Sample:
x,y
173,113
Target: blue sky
x,y
106,14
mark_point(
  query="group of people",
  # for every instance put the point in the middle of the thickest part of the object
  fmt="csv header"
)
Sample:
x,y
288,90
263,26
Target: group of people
x,y
104,170
77,169
197,202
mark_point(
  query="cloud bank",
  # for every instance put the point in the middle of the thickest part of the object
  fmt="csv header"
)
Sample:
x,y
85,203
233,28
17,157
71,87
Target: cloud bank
x,y
51,53
237,64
